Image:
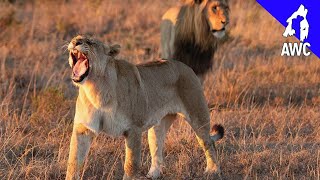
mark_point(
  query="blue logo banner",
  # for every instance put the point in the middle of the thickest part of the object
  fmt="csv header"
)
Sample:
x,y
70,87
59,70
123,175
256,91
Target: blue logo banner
x,y
300,17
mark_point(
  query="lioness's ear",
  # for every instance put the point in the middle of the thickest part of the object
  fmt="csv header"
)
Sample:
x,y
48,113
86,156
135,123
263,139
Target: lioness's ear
x,y
114,50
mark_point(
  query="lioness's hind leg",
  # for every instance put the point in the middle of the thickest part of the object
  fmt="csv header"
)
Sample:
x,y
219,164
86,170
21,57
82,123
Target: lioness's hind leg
x,y
208,146
156,137
198,116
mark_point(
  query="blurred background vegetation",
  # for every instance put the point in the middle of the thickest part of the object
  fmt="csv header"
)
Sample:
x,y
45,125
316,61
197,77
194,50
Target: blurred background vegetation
x,y
269,104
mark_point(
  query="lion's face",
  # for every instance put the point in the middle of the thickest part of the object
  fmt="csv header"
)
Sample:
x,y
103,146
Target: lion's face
x,y
88,56
217,13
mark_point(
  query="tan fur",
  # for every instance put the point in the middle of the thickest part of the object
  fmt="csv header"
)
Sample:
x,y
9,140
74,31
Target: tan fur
x,y
189,33
120,98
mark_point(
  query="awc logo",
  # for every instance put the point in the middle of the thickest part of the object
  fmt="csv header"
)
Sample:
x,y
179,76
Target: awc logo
x,y
296,49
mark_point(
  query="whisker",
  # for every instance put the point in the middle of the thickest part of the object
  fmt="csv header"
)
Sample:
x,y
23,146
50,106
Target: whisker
x,y
65,47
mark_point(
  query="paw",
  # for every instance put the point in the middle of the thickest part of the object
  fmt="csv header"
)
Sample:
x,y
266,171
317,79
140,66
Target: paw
x,y
213,170
154,173
213,173
125,177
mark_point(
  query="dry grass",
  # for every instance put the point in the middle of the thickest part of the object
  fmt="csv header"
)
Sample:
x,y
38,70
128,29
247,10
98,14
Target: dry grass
x,y
269,105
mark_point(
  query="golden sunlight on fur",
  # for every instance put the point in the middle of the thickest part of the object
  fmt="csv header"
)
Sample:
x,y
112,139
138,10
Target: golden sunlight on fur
x,y
268,104
122,99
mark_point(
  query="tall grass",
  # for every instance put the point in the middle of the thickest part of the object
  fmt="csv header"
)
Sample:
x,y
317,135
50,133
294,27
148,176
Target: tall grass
x,y
268,104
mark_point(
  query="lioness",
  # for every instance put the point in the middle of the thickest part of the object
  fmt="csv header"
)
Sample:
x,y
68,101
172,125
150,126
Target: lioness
x,y
123,99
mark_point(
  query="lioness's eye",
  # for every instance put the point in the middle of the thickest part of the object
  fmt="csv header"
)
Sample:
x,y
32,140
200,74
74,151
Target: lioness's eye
x,y
214,8
89,43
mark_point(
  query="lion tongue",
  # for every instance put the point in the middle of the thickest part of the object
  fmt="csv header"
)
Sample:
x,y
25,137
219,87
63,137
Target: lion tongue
x,y
80,67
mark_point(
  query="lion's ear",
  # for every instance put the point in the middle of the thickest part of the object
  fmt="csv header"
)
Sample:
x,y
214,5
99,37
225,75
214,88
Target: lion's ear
x,y
114,50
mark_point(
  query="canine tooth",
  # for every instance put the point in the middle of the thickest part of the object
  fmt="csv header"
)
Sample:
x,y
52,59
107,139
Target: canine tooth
x,y
79,55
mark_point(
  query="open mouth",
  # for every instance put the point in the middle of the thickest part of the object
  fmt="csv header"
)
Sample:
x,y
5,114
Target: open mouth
x,y
219,33
80,66
221,30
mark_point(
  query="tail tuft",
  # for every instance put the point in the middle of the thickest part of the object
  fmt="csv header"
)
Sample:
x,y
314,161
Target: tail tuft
x,y
217,132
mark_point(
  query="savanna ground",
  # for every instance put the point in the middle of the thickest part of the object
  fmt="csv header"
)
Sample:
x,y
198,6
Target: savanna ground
x,y
269,105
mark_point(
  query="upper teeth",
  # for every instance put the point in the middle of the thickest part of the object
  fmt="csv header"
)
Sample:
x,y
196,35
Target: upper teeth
x,y
77,53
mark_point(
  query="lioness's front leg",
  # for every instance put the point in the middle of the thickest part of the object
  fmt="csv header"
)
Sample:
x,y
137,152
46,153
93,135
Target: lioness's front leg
x,y
133,153
79,147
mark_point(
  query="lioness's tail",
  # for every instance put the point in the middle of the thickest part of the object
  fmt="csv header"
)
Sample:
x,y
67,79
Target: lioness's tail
x,y
217,131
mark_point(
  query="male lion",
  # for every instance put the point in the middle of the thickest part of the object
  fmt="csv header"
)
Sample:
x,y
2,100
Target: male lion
x,y
120,98
190,33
